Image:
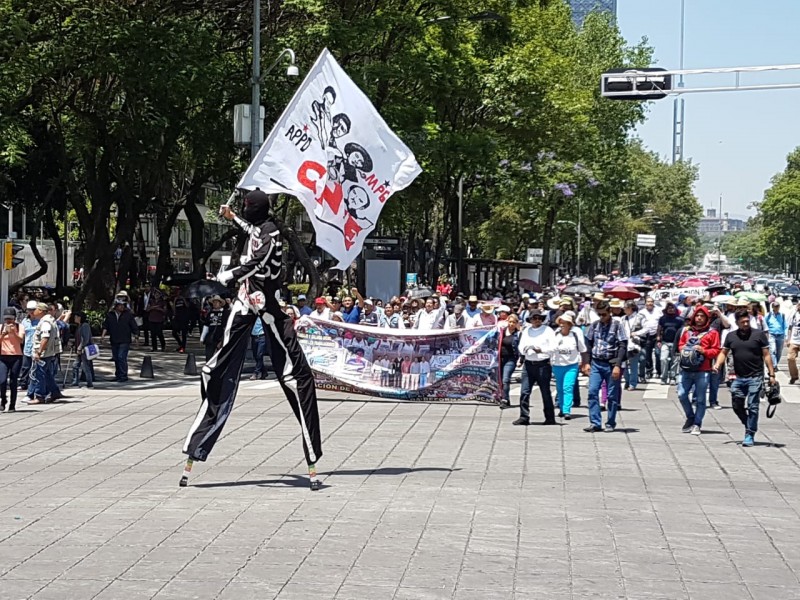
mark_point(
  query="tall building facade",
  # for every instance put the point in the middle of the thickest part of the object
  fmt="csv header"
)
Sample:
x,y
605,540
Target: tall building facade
x,y
581,8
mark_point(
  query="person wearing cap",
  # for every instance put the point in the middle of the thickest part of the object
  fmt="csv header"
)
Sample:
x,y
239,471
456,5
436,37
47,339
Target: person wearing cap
x,y
121,327
28,327
793,343
588,313
11,340
259,278
459,318
485,318
568,354
431,316
83,338
369,316
472,309
536,343
617,307
607,343
46,348
214,326
776,327
321,310
304,309
503,311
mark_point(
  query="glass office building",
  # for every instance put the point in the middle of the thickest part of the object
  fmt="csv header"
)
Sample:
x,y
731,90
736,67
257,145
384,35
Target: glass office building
x,y
581,8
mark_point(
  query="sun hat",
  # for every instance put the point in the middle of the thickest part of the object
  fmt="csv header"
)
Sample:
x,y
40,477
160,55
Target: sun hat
x,y
535,313
503,308
472,299
554,303
567,317
31,305
216,298
599,296
487,308
616,303
42,306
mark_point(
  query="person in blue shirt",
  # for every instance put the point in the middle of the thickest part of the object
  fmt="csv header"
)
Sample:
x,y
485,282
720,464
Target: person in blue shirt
x,y
304,309
351,309
28,326
776,325
259,346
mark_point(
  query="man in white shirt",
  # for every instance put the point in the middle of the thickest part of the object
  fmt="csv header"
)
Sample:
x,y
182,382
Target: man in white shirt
x,y
651,314
458,320
321,310
793,342
536,343
431,317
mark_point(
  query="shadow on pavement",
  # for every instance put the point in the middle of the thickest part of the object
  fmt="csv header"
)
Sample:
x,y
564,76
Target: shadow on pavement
x,y
766,444
286,481
626,430
390,471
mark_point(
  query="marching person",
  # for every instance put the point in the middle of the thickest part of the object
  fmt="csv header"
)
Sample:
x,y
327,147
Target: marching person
x,y
28,327
750,350
120,325
11,339
391,319
568,354
509,356
776,326
670,326
432,316
83,337
698,347
259,278
607,344
635,329
214,326
793,343
536,343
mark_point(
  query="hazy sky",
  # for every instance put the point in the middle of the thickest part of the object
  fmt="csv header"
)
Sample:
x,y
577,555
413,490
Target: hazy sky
x,y
739,139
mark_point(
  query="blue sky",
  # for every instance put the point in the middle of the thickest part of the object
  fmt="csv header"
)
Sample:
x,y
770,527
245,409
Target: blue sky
x,y
738,139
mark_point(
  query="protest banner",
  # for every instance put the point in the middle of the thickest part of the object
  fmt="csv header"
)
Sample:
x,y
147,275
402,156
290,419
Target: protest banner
x,y
403,364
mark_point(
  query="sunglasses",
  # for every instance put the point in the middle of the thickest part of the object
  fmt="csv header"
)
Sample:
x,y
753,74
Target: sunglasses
x,y
603,314
537,318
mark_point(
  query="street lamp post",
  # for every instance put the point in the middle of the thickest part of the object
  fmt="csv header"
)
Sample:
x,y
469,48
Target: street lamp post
x,y
255,100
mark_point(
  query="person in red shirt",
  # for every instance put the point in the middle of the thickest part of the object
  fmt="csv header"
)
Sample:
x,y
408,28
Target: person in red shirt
x,y
698,347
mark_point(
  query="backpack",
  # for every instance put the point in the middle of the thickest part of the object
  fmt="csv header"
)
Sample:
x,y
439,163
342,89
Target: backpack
x,y
691,359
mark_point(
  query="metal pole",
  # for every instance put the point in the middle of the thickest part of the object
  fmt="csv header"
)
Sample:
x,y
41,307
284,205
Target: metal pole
x,y
679,108
66,247
579,237
24,223
719,237
10,221
255,106
460,264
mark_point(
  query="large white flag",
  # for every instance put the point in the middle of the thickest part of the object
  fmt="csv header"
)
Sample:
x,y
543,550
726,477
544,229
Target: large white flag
x,y
333,151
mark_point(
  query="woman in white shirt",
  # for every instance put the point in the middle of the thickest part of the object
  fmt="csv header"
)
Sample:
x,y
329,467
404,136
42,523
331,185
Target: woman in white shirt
x,y
569,352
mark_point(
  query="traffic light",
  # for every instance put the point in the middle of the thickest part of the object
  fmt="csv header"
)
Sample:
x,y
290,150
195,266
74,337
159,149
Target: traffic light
x,y
635,84
10,259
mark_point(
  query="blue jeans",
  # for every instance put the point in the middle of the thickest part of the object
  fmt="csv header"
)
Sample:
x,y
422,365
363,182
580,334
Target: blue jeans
x,y
699,381
601,372
507,371
714,381
748,388
669,362
119,353
43,378
566,376
259,347
776,348
25,371
632,370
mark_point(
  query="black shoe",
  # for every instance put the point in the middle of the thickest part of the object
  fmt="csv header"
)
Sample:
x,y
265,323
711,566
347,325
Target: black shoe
x,y
567,417
592,429
793,381
687,426
315,485
549,423
602,408
627,388
576,405
560,414
2,407
505,405
89,385
521,421
184,481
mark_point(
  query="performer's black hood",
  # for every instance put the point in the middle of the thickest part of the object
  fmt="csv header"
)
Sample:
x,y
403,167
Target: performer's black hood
x,y
256,207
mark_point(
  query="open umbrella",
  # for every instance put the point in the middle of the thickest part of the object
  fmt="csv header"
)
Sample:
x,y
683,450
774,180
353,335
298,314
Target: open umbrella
x,y
752,296
689,283
623,293
529,285
205,288
581,279
419,292
723,299
580,289
716,287
600,278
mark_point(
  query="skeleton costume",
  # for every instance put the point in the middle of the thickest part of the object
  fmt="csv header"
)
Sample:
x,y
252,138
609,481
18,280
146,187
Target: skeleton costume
x,y
259,278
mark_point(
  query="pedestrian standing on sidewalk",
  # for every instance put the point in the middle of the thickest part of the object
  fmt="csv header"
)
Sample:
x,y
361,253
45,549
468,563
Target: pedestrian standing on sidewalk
x,y
156,315
258,346
46,348
28,327
569,352
793,343
214,326
536,343
776,326
634,329
121,327
83,338
647,365
11,340
698,347
607,343
750,350
180,322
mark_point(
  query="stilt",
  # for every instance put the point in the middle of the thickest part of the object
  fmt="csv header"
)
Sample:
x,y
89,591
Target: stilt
x,y
187,470
315,483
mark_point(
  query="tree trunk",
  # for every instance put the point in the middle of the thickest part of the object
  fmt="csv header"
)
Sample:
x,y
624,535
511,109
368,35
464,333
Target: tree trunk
x,y
164,232
39,259
197,228
52,232
544,277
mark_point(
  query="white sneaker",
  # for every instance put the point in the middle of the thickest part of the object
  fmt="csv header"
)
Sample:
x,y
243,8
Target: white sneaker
x,y
695,430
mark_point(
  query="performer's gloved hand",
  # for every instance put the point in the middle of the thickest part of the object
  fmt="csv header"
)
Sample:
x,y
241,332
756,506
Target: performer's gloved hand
x,y
224,276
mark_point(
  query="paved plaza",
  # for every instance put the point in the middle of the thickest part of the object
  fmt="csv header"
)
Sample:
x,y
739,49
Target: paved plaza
x,y
420,501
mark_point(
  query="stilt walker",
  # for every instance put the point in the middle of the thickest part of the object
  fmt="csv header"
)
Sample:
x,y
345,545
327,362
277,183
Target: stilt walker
x,y
259,278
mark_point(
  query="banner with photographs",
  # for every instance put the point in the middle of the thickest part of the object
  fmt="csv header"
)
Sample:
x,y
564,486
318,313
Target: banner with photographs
x,y
403,364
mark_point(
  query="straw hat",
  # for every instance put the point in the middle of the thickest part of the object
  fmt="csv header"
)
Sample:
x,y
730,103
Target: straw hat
x,y
554,303
487,308
616,303
599,296
567,317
